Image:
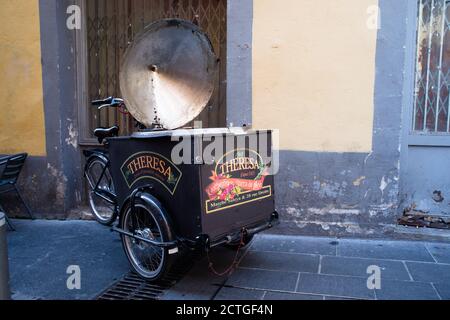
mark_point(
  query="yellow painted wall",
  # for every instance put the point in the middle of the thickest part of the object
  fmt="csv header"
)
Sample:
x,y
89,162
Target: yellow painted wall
x,y
314,73
22,126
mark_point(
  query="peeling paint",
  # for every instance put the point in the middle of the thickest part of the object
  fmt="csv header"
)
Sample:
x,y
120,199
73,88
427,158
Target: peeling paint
x,y
61,181
329,189
382,209
345,211
301,225
318,211
72,139
328,210
351,228
356,229
383,185
373,213
359,181
294,185
293,212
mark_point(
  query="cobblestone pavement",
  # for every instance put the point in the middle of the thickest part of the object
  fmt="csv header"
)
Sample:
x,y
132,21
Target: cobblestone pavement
x,y
273,267
305,268
40,252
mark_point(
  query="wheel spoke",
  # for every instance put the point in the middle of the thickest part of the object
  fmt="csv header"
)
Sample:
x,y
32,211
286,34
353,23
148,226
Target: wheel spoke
x,y
146,258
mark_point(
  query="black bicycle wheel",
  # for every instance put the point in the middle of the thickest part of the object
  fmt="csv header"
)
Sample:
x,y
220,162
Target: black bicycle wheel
x,y
147,220
102,206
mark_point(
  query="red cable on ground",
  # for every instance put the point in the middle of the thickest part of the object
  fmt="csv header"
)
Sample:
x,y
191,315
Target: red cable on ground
x,y
233,265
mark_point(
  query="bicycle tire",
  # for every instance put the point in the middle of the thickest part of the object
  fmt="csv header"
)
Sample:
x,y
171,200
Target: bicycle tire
x,y
110,211
155,227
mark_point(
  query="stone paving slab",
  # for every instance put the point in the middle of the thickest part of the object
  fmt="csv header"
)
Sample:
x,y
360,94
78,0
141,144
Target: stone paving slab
x,y
440,252
342,286
429,272
292,244
394,270
281,261
406,290
263,279
389,250
443,290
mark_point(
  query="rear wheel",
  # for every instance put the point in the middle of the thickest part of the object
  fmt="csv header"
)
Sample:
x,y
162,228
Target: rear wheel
x,y
105,211
147,220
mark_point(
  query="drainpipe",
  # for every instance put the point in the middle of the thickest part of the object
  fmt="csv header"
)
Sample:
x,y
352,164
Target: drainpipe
x,y
4,269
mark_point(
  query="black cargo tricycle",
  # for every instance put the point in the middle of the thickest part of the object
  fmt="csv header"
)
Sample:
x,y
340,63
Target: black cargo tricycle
x,y
176,189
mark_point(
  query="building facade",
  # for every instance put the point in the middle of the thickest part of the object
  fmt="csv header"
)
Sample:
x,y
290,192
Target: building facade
x,y
357,89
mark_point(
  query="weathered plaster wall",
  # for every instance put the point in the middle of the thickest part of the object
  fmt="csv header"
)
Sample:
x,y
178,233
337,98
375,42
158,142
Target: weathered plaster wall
x,y
314,73
340,165
22,111
64,159
52,183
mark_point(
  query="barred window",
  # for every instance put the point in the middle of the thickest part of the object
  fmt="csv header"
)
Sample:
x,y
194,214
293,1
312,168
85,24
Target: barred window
x,y
112,25
432,103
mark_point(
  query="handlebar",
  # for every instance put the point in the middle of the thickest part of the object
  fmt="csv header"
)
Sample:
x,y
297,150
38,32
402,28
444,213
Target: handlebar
x,y
108,102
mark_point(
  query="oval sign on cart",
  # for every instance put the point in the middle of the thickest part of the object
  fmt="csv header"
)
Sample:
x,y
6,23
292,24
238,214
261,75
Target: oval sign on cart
x,y
168,74
151,165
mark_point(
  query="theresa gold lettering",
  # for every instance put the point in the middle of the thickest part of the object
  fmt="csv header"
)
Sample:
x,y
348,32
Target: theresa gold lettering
x,y
150,162
239,164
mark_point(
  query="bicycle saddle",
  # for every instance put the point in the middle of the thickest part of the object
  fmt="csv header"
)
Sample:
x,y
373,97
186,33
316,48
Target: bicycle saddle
x,y
103,133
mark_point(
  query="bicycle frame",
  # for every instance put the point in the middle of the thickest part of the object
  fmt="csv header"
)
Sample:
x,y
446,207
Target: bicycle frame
x,y
108,196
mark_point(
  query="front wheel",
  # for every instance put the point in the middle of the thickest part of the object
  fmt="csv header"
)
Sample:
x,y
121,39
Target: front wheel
x,y
101,189
148,220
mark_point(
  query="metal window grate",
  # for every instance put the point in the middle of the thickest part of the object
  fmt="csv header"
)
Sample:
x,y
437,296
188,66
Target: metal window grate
x,y
432,103
112,25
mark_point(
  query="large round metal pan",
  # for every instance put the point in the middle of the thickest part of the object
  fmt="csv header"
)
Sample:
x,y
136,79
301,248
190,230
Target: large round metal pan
x,y
168,74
